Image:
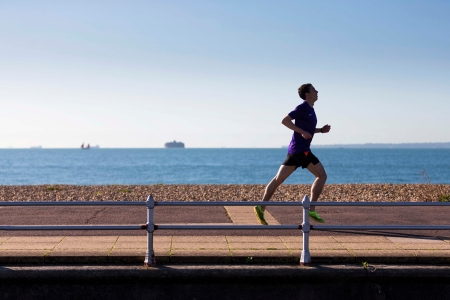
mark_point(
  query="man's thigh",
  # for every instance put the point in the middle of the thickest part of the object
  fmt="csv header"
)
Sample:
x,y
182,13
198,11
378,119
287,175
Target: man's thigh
x,y
317,170
284,172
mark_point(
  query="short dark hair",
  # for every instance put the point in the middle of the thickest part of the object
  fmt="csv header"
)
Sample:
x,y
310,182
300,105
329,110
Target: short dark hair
x,y
304,89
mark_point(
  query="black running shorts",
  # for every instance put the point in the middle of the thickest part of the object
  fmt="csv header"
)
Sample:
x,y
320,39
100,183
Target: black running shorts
x,y
301,160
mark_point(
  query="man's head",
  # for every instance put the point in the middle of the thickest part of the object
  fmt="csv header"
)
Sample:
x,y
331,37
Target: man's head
x,y
308,92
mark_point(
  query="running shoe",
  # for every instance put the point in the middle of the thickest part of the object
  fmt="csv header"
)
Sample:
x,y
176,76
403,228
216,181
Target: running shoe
x,y
313,215
260,215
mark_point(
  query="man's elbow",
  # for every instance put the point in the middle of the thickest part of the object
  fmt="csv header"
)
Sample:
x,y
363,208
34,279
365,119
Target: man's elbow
x,y
285,120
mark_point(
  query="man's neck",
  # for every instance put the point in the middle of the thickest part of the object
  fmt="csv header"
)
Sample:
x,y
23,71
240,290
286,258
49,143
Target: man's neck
x,y
310,102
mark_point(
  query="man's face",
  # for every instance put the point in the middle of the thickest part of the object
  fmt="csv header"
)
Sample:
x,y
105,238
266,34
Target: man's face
x,y
313,94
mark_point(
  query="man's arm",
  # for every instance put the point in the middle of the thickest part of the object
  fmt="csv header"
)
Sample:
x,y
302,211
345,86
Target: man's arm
x,y
287,121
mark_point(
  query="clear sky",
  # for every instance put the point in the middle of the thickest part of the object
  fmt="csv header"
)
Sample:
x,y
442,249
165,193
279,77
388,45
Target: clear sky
x,y
221,73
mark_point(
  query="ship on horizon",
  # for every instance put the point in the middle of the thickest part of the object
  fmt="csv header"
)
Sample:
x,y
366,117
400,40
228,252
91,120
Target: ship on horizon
x,y
174,144
89,147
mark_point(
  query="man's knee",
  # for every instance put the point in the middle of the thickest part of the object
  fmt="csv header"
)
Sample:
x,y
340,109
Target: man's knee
x,y
275,183
279,180
322,176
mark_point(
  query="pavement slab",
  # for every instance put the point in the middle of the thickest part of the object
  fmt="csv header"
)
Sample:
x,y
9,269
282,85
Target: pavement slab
x,y
138,245
317,246
371,246
296,246
258,246
88,239
4,238
35,239
200,239
90,245
27,246
410,240
245,215
199,246
427,246
361,239
253,239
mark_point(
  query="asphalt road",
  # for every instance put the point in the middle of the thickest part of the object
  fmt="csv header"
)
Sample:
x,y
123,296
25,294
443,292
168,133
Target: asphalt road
x,y
164,215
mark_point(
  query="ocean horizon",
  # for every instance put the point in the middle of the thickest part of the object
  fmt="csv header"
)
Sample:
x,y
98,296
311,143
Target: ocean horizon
x,y
106,166
433,145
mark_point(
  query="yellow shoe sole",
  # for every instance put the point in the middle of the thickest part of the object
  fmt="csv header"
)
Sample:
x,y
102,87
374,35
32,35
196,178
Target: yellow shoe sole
x,y
259,217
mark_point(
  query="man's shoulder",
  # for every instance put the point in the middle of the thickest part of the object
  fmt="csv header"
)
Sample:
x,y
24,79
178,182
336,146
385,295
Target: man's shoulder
x,y
301,107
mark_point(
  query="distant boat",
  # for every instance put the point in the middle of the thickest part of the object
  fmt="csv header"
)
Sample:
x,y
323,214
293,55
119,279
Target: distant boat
x,y
36,147
174,144
89,147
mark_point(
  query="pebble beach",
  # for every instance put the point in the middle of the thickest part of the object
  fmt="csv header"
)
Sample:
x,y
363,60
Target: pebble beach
x,y
288,192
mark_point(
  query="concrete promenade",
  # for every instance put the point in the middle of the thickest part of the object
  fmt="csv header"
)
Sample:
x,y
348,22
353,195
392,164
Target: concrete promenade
x,y
223,249
232,264
220,247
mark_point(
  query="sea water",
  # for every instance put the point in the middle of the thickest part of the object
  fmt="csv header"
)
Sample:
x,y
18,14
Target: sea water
x,y
216,166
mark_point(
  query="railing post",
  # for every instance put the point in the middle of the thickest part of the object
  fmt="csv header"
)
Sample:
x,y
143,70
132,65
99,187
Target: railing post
x,y
305,258
150,260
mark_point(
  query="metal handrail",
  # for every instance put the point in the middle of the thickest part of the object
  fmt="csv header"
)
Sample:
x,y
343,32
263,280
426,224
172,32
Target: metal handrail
x,y
306,227
72,227
226,227
225,203
73,203
380,203
254,203
380,227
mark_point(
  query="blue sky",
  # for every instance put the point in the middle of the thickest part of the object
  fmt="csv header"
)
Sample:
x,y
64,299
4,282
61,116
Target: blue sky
x,y
221,73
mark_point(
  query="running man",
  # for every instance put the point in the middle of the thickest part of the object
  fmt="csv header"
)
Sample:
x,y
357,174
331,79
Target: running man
x,y
299,153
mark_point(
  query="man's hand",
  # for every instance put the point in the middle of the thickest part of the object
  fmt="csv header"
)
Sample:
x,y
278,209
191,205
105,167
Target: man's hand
x,y
326,128
306,135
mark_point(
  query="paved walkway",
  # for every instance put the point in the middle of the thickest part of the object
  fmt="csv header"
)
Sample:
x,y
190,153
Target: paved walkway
x,y
225,248
222,249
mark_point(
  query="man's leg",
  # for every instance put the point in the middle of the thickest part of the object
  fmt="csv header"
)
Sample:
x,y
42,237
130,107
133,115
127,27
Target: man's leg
x,y
316,189
283,173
